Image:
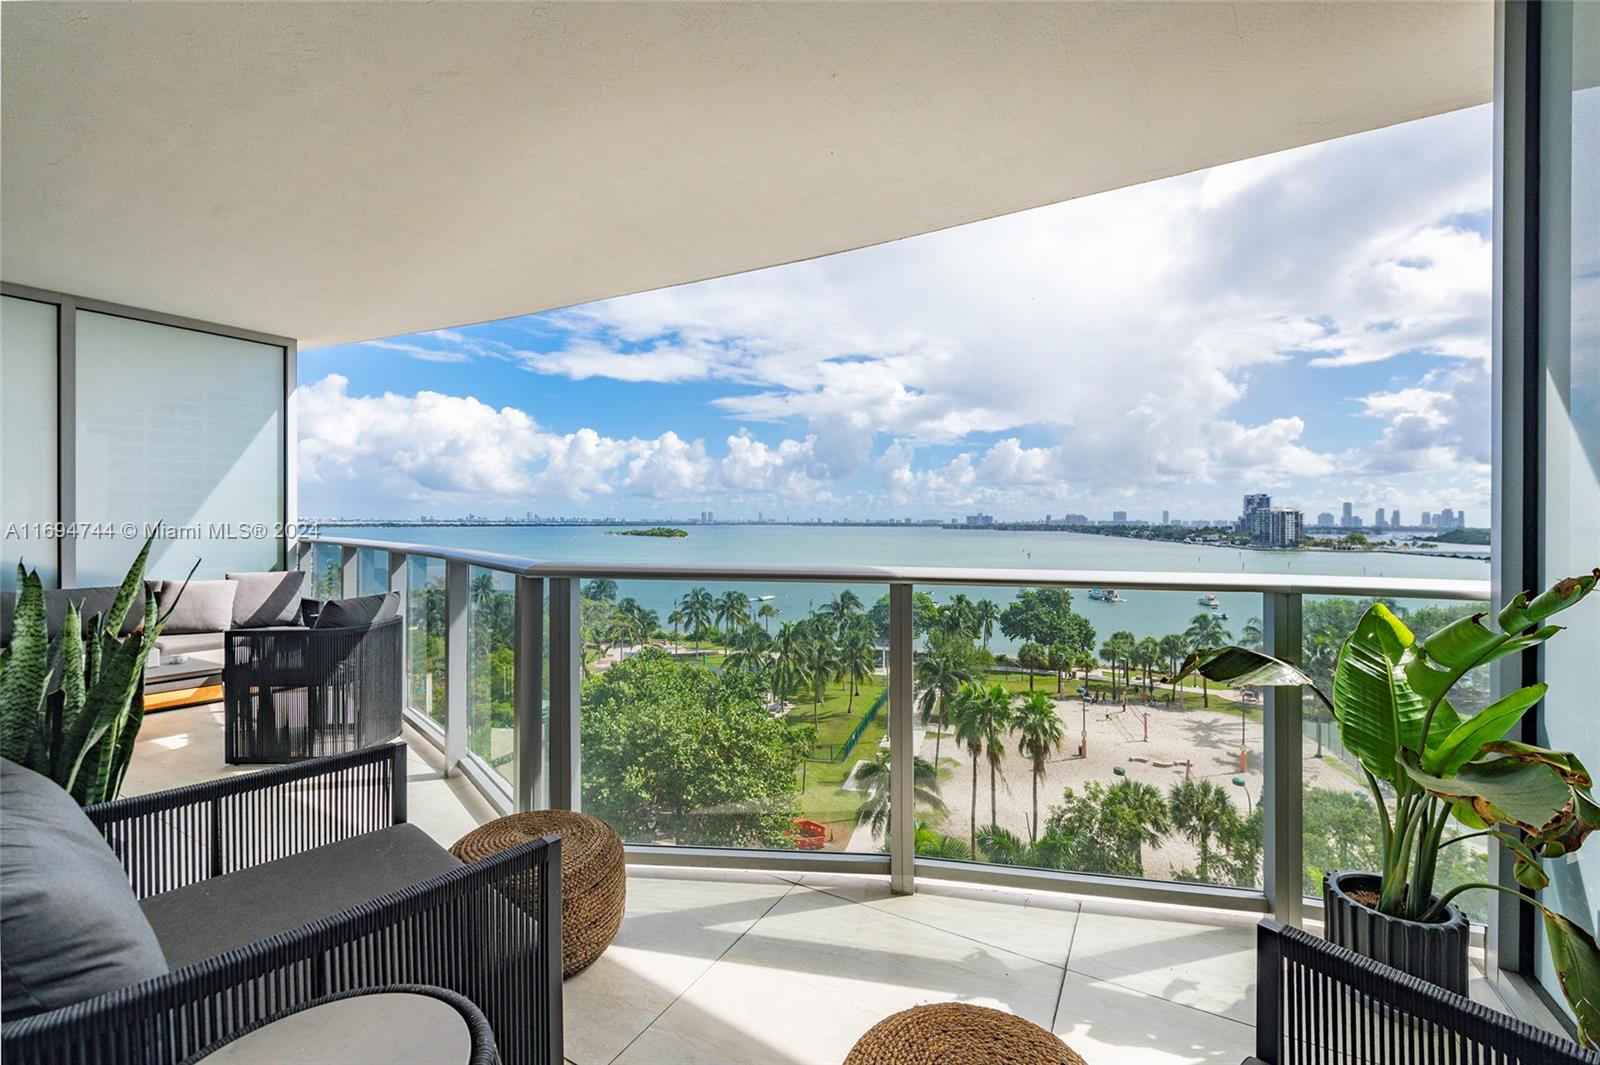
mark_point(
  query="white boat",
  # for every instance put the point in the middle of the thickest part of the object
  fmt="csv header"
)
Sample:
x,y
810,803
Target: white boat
x,y
1105,595
1209,601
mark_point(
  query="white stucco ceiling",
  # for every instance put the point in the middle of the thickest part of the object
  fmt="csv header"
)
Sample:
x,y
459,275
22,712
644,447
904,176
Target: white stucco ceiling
x,y
345,171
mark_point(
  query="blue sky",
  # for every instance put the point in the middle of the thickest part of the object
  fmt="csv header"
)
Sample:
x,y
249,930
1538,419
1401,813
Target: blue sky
x,y
1313,323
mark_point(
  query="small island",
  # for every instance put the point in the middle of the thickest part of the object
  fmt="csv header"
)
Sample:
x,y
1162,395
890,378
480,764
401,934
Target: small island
x,y
654,530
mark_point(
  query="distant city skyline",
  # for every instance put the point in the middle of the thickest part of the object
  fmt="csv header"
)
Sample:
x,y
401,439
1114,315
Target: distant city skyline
x,y
1314,324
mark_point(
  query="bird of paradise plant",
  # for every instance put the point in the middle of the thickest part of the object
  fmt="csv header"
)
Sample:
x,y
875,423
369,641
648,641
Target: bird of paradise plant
x,y
1426,764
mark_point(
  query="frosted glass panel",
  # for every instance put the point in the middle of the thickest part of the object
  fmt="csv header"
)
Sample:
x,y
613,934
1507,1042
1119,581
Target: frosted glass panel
x,y
28,412
180,428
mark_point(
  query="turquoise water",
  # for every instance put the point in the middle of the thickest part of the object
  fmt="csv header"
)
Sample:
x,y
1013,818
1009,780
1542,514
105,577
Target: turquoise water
x,y
1144,614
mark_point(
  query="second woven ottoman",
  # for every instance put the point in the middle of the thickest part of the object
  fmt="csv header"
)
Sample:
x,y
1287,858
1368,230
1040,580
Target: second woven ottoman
x,y
593,879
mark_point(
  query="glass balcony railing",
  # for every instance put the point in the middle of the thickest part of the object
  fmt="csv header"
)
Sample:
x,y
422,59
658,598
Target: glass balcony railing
x,y
992,726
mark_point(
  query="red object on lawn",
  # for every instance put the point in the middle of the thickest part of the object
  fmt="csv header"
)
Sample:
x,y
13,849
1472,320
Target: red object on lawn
x,y
809,835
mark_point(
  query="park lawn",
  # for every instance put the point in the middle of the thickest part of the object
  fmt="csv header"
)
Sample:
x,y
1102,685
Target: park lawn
x,y
1190,694
820,799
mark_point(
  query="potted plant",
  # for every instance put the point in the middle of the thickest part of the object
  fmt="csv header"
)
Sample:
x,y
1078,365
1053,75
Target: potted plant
x,y
1427,765
70,707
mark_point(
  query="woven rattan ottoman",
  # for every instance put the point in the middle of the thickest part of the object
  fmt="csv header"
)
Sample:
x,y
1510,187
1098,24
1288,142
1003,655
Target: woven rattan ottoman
x,y
954,1033
593,880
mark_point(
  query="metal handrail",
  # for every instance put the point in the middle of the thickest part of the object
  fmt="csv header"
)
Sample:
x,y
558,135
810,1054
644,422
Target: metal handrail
x,y
1150,580
549,658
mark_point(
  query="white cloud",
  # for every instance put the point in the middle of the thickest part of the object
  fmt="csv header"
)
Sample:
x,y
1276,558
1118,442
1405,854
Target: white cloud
x,y
1080,352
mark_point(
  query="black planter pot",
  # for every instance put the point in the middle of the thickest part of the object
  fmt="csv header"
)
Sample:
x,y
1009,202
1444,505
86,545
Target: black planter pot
x,y
1435,951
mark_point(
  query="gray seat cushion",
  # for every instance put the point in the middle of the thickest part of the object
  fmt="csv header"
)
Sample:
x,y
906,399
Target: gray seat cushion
x,y
70,927
188,643
203,920
359,611
267,598
198,606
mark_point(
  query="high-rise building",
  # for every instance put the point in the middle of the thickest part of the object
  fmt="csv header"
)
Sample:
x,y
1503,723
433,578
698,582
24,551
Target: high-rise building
x,y
1461,520
1325,519
980,519
1445,519
1377,519
1426,521
1252,503
1119,517
1394,518
1347,515
1165,518
1277,526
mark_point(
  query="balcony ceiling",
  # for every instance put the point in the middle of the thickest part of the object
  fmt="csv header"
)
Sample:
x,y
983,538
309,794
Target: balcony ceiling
x,y
343,171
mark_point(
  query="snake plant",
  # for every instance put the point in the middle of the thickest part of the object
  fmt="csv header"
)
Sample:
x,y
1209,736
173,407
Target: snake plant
x,y
1426,764
68,705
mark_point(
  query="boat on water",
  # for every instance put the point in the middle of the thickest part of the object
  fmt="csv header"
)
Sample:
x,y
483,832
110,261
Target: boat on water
x,y
1105,595
1209,601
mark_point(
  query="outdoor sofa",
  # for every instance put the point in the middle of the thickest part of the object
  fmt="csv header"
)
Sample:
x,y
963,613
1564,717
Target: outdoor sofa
x,y
189,654
1320,1004
144,930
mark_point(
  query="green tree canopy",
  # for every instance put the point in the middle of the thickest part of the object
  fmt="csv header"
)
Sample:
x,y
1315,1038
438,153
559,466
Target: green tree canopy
x,y
674,750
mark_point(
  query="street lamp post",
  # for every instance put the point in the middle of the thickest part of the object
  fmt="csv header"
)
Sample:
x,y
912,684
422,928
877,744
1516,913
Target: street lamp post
x,y
1249,804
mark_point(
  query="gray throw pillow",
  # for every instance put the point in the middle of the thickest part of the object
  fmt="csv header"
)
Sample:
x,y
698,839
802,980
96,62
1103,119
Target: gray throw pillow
x,y
267,598
361,611
204,606
70,927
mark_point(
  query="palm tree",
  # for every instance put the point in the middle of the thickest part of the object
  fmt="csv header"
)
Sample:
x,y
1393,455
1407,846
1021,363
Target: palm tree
x,y
483,590
1250,635
855,657
1041,733
698,608
842,606
748,650
939,674
603,589
971,722
1032,656
821,658
1173,650
987,613
1201,811
958,617
874,775
983,716
1206,630
1117,651
1058,658
1147,656
732,608
766,612
788,667
677,619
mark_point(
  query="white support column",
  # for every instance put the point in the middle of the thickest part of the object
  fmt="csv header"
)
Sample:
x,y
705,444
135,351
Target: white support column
x,y
566,673
1284,843
902,743
528,704
348,574
457,591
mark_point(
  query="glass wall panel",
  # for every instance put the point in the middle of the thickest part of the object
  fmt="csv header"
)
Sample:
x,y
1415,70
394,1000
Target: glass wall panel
x,y
28,441
491,669
180,428
425,636
1060,746
372,571
327,571
737,715
1570,717
1340,821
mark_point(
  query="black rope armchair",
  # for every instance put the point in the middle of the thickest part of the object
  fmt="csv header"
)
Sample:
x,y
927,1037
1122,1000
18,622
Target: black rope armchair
x,y
291,692
489,931
1320,1004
